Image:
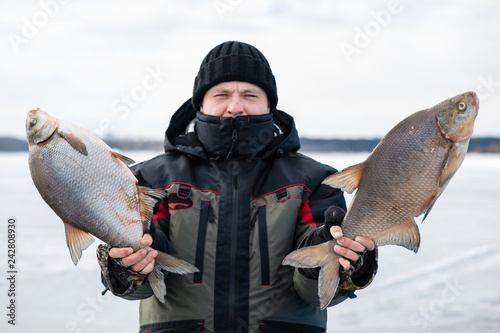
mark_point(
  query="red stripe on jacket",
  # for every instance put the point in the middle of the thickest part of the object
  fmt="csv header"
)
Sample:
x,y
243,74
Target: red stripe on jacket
x,y
306,215
162,212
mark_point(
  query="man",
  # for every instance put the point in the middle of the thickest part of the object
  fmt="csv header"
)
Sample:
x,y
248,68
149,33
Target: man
x,y
239,199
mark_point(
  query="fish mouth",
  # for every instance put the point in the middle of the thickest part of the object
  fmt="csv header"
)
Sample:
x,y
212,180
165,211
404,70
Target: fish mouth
x,y
476,100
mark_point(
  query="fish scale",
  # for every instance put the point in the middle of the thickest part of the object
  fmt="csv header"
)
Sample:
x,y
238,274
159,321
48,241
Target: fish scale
x,y
98,190
406,189
400,180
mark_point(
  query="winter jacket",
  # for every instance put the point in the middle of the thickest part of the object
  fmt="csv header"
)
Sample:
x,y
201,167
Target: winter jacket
x,y
239,199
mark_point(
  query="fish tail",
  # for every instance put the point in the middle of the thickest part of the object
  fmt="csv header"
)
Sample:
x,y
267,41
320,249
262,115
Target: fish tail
x,y
157,281
166,262
322,256
328,281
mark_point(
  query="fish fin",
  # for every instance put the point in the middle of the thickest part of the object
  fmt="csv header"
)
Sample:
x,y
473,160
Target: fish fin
x,y
158,194
427,210
348,179
328,281
432,201
406,235
323,256
147,202
455,158
157,282
127,160
308,257
73,140
77,240
170,264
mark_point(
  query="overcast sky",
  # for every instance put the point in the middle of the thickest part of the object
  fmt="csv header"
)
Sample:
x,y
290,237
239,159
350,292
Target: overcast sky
x,y
344,69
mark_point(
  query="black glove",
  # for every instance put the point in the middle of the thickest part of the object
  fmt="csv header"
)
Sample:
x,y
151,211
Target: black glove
x,y
333,216
121,280
360,273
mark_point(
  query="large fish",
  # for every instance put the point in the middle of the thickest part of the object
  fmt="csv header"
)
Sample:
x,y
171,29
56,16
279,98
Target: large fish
x,y
401,179
93,191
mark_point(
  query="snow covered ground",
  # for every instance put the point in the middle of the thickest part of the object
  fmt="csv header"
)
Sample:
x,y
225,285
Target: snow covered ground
x,y
451,285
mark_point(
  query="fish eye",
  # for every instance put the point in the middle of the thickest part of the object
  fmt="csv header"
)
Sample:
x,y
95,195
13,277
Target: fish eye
x,y
462,106
33,122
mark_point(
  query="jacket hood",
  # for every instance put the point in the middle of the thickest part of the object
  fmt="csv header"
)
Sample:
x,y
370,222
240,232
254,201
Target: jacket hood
x,y
211,137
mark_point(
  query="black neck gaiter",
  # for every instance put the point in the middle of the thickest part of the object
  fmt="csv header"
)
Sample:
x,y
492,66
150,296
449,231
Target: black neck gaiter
x,y
231,138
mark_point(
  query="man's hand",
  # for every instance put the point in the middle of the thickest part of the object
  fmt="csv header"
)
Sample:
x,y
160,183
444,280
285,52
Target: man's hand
x,y
347,248
140,261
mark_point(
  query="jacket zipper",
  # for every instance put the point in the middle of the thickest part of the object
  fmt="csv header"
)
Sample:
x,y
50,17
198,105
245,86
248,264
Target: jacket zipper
x,y
231,310
232,256
234,138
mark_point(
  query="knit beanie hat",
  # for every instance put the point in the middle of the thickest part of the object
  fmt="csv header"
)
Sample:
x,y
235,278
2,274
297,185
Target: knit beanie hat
x,y
234,61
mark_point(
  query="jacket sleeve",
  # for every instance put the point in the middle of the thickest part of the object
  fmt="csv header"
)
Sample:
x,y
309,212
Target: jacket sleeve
x,y
311,217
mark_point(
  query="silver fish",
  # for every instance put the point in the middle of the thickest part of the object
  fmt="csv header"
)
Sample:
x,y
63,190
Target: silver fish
x,y
93,191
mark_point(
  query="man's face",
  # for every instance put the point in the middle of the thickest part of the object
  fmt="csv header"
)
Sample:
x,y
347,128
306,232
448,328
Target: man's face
x,y
235,98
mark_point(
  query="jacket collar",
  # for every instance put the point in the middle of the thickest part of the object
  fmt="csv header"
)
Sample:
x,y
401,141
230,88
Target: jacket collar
x,y
222,138
227,137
